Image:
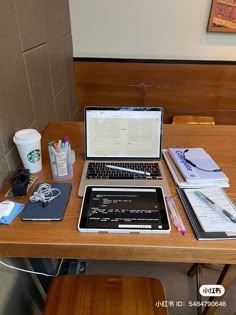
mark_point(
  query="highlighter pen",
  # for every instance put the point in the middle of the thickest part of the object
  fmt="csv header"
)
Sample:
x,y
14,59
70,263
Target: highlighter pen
x,y
59,145
175,211
227,216
66,145
173,214
54,146
51,146
52,153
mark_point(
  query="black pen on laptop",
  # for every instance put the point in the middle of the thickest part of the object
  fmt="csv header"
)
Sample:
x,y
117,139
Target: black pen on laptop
x,y
128,170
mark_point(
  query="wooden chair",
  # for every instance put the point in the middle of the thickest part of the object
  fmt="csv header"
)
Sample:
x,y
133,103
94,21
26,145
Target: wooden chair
x,y
105,295
193,120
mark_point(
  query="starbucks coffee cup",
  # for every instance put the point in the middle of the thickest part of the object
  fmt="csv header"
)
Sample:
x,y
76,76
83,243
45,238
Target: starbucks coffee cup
x,y
28,142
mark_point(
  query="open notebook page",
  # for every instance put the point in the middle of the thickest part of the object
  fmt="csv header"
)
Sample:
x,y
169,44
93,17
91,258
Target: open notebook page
x,y
208,218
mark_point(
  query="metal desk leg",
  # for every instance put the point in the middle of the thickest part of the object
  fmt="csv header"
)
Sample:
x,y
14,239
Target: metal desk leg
x,y
226,277
197,269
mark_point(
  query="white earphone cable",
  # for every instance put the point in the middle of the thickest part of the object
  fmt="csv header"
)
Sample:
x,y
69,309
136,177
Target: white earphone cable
x,y
34,272
45,193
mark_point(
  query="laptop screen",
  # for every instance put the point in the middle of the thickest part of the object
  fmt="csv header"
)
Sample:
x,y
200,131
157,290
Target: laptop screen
x,y
123,132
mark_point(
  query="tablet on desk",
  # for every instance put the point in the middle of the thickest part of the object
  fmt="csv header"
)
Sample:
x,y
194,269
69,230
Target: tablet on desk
x,y
54,211
121,209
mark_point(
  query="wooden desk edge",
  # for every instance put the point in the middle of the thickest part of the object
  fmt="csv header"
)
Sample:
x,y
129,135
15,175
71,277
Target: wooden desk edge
x,y
116,252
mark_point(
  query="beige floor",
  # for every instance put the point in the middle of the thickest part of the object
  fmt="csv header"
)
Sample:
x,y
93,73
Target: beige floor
x,y
179,288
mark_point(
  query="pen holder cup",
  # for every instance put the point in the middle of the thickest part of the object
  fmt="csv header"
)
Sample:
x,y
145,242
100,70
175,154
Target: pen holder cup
x,y
61,162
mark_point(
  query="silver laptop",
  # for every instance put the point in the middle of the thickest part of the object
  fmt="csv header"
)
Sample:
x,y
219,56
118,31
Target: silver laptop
x,y
123,147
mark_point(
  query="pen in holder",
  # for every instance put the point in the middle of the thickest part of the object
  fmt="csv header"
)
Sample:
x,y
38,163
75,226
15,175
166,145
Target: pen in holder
x,y
60,158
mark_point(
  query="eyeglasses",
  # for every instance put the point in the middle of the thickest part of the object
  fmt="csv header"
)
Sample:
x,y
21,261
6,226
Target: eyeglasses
x,y
194,165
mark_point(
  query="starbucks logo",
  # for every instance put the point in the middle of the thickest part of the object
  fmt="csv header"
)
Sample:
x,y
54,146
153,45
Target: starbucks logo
x,y
33,156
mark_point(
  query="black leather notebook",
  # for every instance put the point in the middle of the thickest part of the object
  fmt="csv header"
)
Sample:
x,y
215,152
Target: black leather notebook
x,y
54,210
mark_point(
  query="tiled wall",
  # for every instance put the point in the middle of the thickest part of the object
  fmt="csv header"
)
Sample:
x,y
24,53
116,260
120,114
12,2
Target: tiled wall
x,y
36,71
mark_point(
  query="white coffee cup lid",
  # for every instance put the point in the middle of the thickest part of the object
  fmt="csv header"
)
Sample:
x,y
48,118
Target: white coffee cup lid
x,y
26,136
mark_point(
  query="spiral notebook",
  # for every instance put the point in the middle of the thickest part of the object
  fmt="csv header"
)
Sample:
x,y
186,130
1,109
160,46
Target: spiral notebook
x,y
195,212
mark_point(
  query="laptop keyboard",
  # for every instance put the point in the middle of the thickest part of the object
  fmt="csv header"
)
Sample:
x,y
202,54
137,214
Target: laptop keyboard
x,y
98,170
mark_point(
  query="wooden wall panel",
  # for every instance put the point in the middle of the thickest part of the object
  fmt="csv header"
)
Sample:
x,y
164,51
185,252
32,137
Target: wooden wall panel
x,y
209,101
196,88
113,95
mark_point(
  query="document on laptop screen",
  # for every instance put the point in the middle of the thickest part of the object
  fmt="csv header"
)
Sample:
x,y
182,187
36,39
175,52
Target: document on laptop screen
x,y
123,133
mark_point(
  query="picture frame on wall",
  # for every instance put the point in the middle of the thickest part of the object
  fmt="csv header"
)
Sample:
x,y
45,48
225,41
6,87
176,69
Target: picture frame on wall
x,y
222,16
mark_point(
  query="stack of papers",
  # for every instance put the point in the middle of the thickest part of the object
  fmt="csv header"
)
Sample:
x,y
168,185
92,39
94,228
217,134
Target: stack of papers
x,y
186,175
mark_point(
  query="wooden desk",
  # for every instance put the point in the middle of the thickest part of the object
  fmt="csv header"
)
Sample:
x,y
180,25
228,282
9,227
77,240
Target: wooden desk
x,y
61,239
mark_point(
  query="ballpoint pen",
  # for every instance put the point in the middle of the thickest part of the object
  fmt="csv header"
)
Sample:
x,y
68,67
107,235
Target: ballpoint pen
x,y
128,170
179,223
226,215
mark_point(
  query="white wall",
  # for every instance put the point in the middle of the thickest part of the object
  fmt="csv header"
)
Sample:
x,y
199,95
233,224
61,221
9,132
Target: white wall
x,y
158,29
